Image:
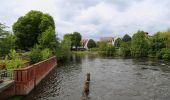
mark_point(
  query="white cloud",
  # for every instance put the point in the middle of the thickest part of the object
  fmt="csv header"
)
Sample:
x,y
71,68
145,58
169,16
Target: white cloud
x,y
94,18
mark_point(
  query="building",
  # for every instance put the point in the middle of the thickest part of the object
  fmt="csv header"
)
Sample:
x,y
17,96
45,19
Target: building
x,y
109,40
84,43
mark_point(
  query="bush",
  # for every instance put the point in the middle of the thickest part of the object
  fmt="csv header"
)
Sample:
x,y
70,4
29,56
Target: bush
x,y
165,53
12,60
35,55
64,52
107,50
46,53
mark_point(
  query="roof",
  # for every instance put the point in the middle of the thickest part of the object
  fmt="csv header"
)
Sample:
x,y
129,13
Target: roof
x,y
108,39
83,41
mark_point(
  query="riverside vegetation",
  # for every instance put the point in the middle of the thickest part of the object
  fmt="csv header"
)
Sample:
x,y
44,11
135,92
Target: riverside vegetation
x,y
34,39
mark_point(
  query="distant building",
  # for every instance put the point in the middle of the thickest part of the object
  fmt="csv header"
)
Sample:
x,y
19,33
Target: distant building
x,y
109,40
147,35
84,43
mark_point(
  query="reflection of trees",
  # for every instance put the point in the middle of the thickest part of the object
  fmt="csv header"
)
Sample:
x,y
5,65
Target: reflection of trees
x,y
76,58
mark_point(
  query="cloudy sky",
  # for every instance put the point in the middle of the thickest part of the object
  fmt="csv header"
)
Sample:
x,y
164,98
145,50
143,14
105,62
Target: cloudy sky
x,y
94,18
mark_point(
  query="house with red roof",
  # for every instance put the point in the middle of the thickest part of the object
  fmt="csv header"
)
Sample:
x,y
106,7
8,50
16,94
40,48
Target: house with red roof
x,y
109,40
84,43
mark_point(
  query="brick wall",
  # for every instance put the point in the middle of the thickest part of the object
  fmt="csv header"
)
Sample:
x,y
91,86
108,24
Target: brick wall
x,y
27,78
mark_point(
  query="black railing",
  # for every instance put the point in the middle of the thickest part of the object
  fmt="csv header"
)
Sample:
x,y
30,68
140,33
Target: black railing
x,y
6,74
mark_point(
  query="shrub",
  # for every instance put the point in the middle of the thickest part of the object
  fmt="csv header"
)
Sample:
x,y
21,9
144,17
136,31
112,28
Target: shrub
x,y
12,60
64,52
35,55
165,53
46,53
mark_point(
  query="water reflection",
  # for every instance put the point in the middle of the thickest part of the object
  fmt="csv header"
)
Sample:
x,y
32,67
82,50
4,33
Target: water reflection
x,y
111,78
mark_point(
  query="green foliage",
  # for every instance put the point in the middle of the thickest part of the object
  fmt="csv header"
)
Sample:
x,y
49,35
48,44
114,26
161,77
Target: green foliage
x,y
46,53
164,53
110,50
102,46
7,41
125,49
12,60
118,42
3,32
91,44
47,39
29,27
140,44
157,43
64,52
106,49
35,54
76,38
126,38
166,37
68,36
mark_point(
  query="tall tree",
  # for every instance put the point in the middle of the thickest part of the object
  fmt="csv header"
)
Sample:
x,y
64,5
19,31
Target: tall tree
x,y
140,44
126,38
29,27
69,37
7,40
91,44
76,39
117,42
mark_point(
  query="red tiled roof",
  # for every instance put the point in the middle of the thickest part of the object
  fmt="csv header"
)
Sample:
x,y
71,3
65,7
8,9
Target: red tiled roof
x,y
83,41
108,39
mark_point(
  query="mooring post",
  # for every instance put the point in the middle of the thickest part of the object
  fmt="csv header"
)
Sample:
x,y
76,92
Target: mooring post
x,y
86,88
88,76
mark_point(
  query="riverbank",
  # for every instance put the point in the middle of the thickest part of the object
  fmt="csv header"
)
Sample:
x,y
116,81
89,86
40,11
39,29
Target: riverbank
x,y
82,53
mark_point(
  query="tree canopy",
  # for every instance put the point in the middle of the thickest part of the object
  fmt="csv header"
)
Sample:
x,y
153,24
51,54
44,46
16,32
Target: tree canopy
x,y
118,42
27,28
126,38
140,44
76,38
91,44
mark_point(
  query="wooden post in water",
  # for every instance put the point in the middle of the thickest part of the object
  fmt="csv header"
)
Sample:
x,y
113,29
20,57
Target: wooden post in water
x,y
88,76
86,87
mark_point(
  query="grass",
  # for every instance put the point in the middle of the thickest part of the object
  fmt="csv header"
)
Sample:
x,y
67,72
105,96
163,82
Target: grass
x,y
15,98
82,53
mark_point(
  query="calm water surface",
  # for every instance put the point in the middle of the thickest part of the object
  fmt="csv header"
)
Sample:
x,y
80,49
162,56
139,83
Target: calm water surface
x,y
111,79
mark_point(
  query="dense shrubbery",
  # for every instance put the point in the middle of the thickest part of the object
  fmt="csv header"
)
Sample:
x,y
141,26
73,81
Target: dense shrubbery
x,y
64,51
37,54
13,61
106,49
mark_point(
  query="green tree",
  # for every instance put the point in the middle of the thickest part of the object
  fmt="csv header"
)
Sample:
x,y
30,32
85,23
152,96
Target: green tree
x,y
118,42
157,43
76,39
3,32
7,40
125,49
91,44
29,27
126,38
69,37
64,52
110,50
47,39
140,44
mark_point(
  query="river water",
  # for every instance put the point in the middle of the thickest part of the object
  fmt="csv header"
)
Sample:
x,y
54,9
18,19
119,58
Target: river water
x,y
111,79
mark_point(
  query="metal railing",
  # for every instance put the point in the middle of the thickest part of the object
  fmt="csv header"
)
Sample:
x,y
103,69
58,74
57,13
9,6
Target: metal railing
x,y
6,74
